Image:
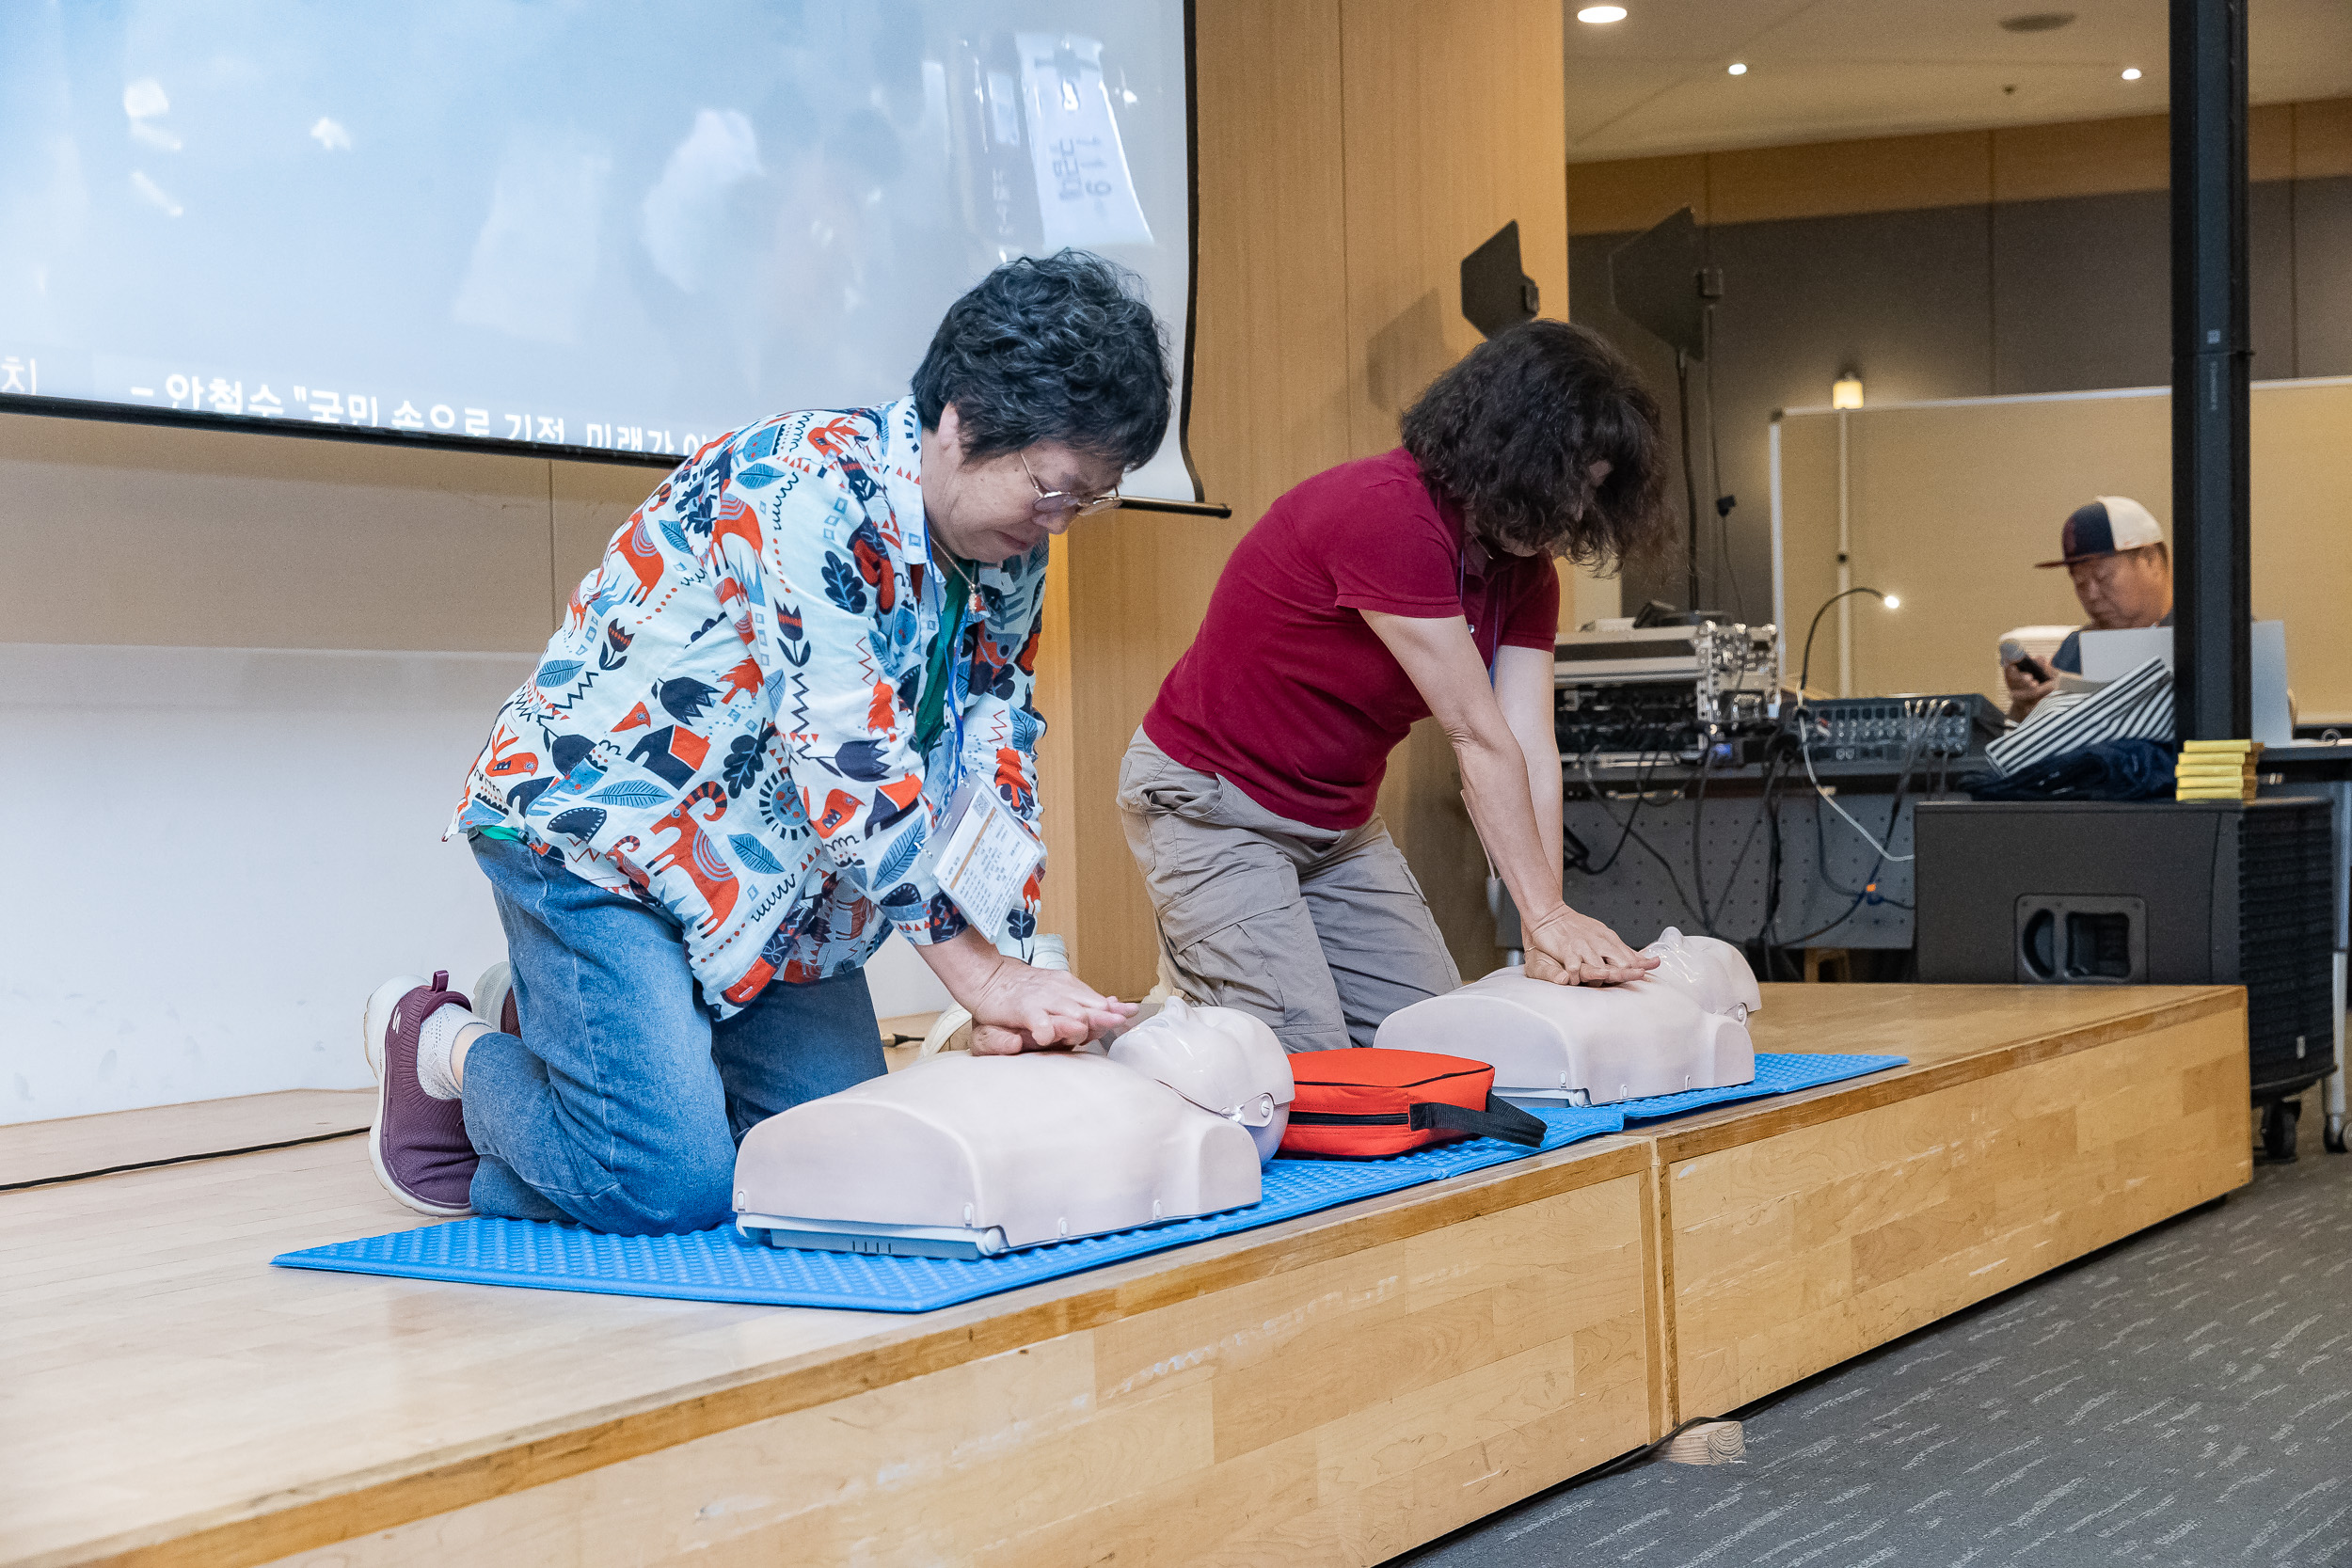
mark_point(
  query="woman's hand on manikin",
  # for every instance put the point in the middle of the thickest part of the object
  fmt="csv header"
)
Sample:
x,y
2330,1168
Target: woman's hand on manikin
x,y
1016,1006
1020,1008
1572,949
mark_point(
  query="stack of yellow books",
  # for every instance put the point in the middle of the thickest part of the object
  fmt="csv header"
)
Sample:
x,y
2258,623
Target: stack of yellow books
x,y
2216,770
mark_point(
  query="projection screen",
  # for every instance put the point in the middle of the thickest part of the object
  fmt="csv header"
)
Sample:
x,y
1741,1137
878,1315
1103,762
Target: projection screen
x,y
592,226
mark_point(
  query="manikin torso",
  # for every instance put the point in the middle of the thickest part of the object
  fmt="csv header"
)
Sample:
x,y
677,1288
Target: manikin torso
x,y
968,1156
1683,1027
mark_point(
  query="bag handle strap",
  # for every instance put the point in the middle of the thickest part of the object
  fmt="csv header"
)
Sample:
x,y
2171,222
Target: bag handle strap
x,y
1499,1119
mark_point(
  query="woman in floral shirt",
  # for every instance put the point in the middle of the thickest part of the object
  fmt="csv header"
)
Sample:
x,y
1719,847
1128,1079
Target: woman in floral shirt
x,y
724,785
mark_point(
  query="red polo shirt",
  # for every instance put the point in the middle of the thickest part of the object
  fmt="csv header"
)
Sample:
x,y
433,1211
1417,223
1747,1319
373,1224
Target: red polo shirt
x,y
1286,692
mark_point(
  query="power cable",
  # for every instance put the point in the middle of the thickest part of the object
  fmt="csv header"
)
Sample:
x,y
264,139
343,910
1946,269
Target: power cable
x,y
1690,480
1715,477
1641,795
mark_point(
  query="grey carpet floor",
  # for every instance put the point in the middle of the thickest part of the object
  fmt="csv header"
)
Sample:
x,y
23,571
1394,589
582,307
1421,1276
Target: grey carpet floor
x,y
2183,1397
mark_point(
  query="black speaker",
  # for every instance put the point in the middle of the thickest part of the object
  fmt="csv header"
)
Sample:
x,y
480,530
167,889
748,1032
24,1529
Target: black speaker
x,y
1496,295
2099,892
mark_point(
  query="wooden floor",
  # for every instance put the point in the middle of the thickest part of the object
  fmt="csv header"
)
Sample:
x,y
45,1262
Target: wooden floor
x,y
34,1152
1333,1389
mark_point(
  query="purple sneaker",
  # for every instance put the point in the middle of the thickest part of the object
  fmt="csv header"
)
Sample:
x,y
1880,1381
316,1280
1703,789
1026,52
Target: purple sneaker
x,y
418,1145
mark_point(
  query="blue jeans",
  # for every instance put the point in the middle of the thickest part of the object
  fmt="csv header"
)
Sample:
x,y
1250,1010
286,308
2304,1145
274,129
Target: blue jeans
x,y
621,1105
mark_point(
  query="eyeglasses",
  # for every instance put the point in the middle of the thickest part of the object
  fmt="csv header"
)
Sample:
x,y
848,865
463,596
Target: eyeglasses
x,y
1068,500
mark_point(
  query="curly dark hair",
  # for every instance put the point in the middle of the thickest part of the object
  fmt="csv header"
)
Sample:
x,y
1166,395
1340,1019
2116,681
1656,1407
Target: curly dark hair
x,y
1060,349
1510,433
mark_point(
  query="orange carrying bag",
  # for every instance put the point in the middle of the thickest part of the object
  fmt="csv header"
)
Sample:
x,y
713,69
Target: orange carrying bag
x,y
1365,1104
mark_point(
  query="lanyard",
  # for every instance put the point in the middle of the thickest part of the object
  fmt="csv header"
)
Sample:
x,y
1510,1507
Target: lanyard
x,y
941,705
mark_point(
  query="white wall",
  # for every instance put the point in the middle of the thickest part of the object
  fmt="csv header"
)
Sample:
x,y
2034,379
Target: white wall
x,y
218,853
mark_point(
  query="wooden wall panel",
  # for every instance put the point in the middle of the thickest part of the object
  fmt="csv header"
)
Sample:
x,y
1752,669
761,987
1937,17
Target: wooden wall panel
x,y
1882,175
2269,143
1456,125
2091,157
1269,407
1327,299
2323,138
1454,121
159,536
1630,193
1057,785
2023,162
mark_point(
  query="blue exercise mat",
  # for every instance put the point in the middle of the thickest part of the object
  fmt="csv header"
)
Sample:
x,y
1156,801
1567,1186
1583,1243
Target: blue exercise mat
x,y
1774,1075
720,1265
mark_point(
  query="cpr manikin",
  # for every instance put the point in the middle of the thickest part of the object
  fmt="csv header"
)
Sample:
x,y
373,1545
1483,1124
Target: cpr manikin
x,y
1682,1027
1222,1059
963,1156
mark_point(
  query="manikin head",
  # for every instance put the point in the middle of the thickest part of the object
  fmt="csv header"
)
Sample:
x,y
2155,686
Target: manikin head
x,y
1223,1060
1711,972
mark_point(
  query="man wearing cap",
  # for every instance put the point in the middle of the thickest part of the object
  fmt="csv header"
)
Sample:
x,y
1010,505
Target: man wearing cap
x,y
2114,551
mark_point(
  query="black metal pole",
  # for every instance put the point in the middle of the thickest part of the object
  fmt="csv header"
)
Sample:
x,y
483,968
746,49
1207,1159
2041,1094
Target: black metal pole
x,y
2212,349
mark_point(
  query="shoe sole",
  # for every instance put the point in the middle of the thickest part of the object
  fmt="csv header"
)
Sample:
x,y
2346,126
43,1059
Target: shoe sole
x,y
492,986
374,1021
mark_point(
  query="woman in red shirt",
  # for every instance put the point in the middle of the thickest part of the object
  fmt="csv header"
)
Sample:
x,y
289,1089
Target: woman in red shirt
x,y
1377,594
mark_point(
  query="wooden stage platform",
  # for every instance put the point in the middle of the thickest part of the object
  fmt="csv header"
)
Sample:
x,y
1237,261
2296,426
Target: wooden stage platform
x,y
1334,1389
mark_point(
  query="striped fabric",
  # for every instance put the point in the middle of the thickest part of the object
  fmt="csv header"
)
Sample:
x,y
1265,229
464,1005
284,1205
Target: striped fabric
x,y
2137,706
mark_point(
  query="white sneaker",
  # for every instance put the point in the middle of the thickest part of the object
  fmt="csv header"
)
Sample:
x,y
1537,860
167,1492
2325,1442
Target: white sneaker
x,y
494,998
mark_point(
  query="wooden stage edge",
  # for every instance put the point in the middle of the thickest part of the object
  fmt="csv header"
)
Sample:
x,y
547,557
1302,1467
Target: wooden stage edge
x,y
1337,1388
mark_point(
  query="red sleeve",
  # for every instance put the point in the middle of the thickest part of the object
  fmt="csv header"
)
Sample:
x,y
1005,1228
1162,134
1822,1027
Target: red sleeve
x,y
1389,552
1534,621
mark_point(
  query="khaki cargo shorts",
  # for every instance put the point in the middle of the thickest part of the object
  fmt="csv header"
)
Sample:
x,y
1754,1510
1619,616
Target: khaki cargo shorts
x,y
1323,933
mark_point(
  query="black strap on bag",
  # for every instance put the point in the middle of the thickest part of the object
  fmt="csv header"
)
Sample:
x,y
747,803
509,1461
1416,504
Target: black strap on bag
x,y
1499,1119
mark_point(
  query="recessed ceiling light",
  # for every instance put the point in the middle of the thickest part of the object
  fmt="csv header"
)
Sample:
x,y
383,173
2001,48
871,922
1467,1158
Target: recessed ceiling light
x,y
2037,21
1602,13
2131,73
1738,69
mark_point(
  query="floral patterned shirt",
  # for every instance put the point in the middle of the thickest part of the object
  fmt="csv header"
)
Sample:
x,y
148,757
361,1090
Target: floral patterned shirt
x,y
723,724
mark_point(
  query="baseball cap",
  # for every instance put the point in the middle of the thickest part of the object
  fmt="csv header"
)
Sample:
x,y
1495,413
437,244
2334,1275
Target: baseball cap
x,y
2107,525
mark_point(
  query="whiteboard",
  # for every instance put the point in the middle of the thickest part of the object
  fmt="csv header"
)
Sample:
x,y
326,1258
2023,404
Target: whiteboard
x,y
1949,504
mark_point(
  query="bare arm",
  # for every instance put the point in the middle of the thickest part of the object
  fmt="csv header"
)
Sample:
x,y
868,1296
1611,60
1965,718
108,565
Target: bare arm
x,y
1523,691
1499,787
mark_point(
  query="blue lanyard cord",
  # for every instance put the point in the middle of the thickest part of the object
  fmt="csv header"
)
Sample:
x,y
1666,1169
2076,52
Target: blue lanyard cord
x,y
1461,588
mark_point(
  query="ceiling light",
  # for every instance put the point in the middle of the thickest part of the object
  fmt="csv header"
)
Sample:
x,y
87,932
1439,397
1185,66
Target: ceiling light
x,y
1737,68
2131,73
1602,13
1894,601
1846,391
2037,21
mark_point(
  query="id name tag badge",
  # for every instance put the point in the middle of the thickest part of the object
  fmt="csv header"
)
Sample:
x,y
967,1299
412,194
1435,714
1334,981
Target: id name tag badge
x,y
988,859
